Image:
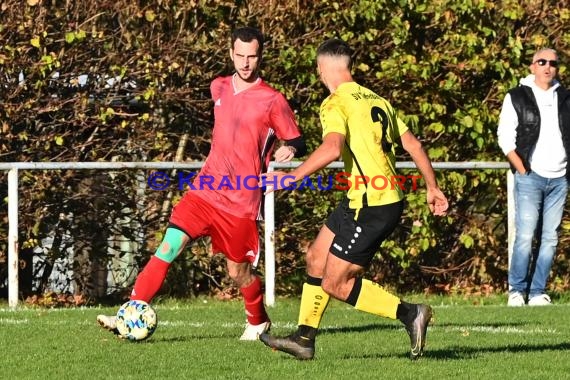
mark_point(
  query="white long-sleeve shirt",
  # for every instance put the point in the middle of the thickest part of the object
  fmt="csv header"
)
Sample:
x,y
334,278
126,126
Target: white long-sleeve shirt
x,y
548,158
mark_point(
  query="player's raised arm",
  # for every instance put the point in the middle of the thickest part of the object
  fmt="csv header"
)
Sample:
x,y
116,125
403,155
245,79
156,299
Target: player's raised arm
x,y
329,151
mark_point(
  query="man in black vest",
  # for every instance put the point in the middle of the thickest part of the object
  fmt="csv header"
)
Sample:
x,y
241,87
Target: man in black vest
x,y
534,134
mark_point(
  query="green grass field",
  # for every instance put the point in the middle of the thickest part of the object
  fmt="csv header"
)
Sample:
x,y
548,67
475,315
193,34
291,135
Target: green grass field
x,y
469,339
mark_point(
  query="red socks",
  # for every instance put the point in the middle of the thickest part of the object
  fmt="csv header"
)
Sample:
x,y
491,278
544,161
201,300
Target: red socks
x,y
150,280
253,299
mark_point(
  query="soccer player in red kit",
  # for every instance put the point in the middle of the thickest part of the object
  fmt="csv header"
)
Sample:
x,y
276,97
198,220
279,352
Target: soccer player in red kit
x,y
224,201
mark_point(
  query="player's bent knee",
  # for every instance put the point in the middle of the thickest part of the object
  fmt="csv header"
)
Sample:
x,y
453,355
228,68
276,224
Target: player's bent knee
x,y
172,244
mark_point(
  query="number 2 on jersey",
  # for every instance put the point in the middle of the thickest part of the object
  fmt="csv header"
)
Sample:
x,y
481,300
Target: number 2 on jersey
x,y
379,115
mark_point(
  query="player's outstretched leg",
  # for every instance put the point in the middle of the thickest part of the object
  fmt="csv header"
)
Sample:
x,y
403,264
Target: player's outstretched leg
x,y
417,329
108,322
301,347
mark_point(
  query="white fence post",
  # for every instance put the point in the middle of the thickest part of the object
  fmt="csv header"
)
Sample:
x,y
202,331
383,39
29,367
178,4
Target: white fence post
x,y
13,286
269,238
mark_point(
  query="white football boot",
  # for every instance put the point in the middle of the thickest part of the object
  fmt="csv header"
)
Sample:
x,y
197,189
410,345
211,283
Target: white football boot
x,y
252,331
108,322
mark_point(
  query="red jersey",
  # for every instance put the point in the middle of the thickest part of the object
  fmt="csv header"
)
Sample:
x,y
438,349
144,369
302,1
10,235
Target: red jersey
x,y
246,125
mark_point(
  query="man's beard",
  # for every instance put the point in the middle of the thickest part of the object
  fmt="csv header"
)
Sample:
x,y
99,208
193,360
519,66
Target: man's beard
x,y
251,78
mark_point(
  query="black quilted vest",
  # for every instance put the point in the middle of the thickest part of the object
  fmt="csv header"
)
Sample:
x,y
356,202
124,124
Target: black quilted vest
x,y
528,129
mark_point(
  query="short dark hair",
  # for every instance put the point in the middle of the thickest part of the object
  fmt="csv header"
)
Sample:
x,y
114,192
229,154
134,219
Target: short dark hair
x,y
248,34
336,47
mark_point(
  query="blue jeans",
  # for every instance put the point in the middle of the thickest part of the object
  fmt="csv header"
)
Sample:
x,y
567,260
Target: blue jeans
x,y
537,199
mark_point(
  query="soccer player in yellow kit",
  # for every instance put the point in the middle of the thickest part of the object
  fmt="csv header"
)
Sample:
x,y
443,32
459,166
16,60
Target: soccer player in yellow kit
x,y
363,127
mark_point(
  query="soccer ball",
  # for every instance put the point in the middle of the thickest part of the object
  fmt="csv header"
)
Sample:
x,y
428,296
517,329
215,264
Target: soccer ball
x,y
136,320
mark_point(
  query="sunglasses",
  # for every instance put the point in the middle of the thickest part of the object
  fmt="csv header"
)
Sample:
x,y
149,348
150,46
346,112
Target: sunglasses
x,y
543,62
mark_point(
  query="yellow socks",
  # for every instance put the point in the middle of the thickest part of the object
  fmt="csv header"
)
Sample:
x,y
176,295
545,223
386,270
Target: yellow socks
x,y
314,301
375,300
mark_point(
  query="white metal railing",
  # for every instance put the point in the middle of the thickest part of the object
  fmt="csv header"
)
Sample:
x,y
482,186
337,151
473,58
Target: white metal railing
x,y
269,233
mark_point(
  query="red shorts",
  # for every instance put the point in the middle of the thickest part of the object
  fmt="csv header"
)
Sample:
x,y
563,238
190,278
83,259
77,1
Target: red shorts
x,y
237,238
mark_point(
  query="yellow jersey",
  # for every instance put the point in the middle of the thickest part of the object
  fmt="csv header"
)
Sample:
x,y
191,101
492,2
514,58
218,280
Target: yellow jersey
x,y
370,127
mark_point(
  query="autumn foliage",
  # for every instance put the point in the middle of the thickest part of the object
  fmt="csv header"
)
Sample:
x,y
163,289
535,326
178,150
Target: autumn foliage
x,y
129,80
